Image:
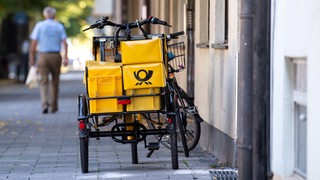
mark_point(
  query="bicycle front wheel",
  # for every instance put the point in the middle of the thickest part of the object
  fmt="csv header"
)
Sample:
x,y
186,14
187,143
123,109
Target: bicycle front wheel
x,y
190,123
182,133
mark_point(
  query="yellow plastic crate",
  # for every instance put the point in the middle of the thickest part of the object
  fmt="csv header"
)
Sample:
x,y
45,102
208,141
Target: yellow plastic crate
x,y
141,51
104,79
146,103
98,64
140,76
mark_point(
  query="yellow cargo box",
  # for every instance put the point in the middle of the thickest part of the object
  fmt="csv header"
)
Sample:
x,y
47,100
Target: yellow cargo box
x,y
96,64
141,51
104,80
140,76
144,103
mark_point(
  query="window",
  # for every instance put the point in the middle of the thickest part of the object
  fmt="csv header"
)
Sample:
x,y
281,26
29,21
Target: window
x,y
300,114
204,24
226,20
221,24
300,139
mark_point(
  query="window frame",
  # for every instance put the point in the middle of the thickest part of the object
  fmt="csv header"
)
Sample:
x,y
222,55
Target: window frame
x,y
221,25
299,98
204,25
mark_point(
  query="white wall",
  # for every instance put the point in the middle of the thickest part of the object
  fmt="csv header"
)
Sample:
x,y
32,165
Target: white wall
x,y
313,99
295,33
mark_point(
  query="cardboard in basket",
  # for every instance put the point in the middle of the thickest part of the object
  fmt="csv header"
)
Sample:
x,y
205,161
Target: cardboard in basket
x,y
108,43
141,51
140,76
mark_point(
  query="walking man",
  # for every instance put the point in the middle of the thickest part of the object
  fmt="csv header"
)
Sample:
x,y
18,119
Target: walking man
x,y
46,39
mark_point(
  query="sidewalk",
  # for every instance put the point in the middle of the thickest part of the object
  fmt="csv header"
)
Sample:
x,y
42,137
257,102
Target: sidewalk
x,y
38,146
7,82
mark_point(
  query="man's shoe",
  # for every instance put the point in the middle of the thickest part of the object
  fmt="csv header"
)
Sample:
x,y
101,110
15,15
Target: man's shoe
x,y
45,111
54,110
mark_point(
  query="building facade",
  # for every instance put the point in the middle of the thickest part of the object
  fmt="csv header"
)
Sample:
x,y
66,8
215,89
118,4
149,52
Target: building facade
x,y
214,31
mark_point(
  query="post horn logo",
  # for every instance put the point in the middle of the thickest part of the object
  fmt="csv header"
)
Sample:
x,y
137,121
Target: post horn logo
x,y
143,76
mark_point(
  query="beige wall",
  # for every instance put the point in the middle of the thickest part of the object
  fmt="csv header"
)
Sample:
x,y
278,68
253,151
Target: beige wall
x,y
215,71
172,11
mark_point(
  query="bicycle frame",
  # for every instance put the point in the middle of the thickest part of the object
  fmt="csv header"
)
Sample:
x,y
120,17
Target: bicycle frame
x,y
114,102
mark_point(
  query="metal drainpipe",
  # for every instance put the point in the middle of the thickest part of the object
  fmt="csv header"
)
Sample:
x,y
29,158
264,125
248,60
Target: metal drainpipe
x,y
190,48
245,72
261,91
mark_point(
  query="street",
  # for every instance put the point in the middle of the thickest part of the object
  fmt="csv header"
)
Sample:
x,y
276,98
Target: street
x,y
46,146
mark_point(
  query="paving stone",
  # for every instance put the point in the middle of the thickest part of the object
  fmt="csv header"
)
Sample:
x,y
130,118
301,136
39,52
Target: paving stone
x,y
36,146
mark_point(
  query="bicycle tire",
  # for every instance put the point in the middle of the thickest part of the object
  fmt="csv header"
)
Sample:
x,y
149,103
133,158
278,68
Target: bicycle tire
x,y
173,134
193,119
84,154
134,153
193,132
174,150
182,132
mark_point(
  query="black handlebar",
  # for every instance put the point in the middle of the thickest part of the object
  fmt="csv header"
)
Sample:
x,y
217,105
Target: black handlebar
x,y
99,24
176,34
127,27
104,22
154,20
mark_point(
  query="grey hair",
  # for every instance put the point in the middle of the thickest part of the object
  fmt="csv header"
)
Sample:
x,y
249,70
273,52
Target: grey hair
x,y
49,12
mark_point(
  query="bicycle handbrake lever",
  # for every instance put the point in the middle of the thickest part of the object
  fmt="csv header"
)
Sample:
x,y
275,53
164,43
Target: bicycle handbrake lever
x,y
155,20
99,24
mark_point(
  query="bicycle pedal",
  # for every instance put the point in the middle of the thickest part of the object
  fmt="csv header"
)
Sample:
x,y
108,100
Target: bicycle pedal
x,y
153,146
150,153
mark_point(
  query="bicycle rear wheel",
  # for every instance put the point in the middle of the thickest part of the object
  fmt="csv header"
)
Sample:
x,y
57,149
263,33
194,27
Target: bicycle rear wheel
x,y
84,154
134,153
171,141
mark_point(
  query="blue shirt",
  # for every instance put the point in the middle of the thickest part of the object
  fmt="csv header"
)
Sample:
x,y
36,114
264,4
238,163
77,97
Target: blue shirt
x,y
49,34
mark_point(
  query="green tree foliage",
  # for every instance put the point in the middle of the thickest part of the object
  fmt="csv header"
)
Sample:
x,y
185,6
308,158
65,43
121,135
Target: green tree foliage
x,y
72,13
